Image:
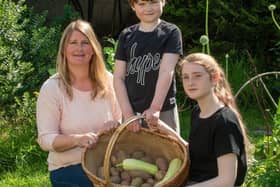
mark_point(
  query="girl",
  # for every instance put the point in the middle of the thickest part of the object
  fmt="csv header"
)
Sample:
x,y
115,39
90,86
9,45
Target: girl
x,y
217,136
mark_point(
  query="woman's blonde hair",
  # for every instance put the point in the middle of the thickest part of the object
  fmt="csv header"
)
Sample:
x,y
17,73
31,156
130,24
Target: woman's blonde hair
x,y
97,70
222,89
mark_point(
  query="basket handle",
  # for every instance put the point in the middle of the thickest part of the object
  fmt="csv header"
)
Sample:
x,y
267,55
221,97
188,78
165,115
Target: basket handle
x,y
111,144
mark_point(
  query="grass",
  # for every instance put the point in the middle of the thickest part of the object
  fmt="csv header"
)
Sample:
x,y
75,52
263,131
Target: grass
x,y
37,174
29,176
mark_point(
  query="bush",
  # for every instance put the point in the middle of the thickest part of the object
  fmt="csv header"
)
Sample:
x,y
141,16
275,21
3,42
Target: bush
x,y
28,50
265,170
235,26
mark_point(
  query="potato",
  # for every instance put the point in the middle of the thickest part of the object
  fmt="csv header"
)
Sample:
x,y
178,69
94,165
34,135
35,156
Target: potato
x,y
121,155
114,171
146,185
137,182
160,174
162,163
115,179
124,182
138,154
137,173
114,160
125,176
150,181
147,159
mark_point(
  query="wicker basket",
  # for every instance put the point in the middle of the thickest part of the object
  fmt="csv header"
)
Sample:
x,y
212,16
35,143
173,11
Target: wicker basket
x,y
154,143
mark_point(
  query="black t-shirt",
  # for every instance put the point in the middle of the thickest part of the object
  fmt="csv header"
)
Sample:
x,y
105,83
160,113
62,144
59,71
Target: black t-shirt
x,y
143,51
212,137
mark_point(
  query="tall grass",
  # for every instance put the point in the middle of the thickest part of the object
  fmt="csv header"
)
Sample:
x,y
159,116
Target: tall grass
x,y
35,175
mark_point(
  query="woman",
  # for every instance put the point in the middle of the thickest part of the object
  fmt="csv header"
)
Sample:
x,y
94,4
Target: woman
x,y
75,104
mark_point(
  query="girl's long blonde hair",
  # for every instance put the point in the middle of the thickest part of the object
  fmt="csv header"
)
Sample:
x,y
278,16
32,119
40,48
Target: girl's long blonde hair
x,y
97,70
222,88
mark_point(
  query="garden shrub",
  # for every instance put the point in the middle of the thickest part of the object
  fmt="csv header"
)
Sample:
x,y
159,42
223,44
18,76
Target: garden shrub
x,y
18,140
265,169
28,48
236,27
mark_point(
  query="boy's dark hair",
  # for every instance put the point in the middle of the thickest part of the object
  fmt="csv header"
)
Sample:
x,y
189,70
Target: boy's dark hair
x,y
131,2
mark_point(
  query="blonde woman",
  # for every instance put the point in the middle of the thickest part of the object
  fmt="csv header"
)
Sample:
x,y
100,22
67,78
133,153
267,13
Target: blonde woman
x,y
75,104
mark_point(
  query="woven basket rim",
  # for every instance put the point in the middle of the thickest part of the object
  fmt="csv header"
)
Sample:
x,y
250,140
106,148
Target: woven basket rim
x,y
106,181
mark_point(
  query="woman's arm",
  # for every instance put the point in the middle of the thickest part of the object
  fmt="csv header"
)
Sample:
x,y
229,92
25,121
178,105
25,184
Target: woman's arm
x,y
65,142
48,116
227,172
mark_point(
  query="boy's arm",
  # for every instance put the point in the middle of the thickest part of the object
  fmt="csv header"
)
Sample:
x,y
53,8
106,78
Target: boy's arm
x,y
120,89
121,93
166,72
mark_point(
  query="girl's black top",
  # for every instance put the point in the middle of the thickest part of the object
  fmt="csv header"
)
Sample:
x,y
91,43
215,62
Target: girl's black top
x,y
211,138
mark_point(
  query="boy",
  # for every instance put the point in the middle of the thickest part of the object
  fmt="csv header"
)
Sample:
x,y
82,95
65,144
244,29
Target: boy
x,y
146,57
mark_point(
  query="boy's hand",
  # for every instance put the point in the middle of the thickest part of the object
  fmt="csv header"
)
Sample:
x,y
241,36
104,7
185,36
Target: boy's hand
x,y
134,126
152,116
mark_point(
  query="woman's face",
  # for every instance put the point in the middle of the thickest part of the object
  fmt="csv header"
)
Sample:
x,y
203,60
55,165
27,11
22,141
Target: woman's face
x,y
196,81
78,50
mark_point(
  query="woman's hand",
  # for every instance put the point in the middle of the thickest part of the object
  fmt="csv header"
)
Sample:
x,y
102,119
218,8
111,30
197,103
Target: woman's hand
x,y
87,140
109,125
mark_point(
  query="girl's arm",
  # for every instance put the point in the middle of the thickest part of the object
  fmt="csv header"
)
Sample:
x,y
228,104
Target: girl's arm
x,y
227,172
165,129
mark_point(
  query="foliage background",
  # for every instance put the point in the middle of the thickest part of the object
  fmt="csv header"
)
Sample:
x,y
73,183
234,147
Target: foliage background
x,y
28,44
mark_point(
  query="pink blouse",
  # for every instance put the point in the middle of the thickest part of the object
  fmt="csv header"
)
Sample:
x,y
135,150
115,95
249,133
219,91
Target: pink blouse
x,y
56,114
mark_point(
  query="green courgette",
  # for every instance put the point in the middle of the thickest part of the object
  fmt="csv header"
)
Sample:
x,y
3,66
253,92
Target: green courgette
x,y
134,164
173,168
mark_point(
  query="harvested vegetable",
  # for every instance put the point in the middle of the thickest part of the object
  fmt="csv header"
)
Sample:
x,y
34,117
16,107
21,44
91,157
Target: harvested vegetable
x,y
134,164
146,185
114,171
138,154
162,163
137,182
138,173
125,176
115,179
173,167
159,175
